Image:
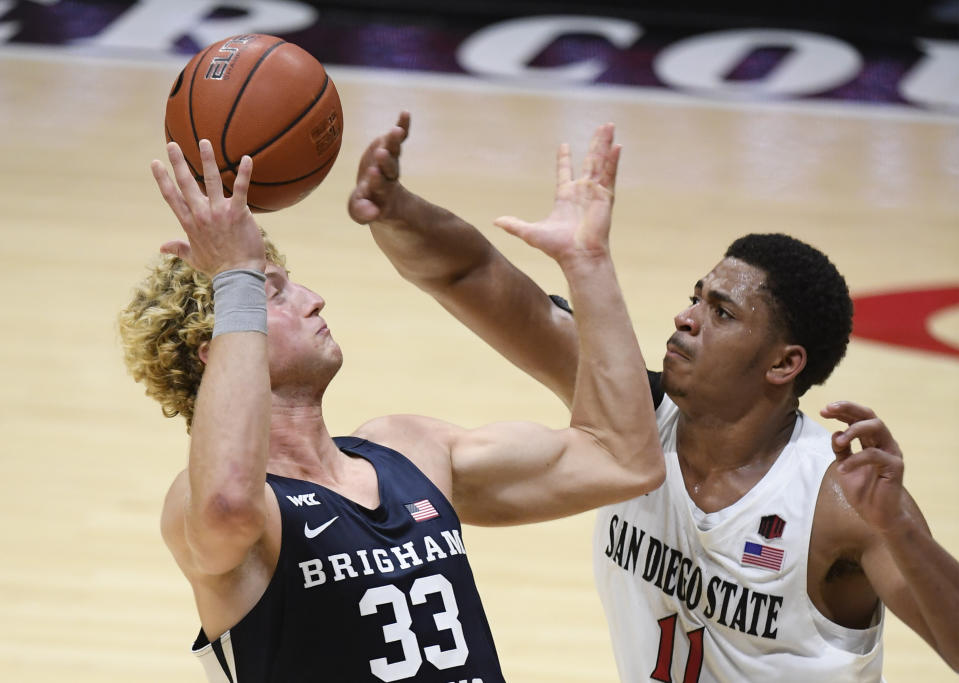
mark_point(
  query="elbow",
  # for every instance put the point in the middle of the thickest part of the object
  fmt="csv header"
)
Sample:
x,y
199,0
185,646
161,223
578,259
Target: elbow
x,y
650,473
233,514
655,474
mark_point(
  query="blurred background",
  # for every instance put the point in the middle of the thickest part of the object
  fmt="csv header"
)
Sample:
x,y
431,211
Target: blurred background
x,y
836,122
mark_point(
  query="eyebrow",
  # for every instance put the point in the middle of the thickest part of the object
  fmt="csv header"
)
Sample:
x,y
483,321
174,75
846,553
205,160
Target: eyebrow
x,y
274,278
715,294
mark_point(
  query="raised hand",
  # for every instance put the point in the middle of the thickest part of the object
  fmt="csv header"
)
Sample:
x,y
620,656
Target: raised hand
x,y
377,179
871,478
222,232
582,211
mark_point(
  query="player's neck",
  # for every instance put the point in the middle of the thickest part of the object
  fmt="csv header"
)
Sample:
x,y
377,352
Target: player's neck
x,y
301,448
721,460
300,442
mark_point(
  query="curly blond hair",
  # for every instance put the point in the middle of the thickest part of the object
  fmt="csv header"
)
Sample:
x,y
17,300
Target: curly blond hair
x,y
163,327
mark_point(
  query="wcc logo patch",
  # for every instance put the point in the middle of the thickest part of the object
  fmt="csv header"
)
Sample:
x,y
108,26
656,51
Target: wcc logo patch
x,y
771,526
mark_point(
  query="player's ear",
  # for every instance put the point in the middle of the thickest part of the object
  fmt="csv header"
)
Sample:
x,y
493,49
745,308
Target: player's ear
x,y
203,352
791,361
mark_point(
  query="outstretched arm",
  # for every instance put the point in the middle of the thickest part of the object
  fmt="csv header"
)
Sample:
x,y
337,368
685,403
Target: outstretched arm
x,y
452,261
214,515
914,575
516,472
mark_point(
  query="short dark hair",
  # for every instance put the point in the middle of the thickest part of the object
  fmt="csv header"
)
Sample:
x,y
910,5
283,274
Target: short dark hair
x,y
809,296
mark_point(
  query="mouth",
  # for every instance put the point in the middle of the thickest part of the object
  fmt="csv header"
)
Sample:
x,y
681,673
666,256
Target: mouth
x,y
324,330
677,351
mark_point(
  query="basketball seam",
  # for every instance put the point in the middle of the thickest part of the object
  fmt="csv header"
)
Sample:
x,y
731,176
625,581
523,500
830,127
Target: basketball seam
x,y
230,165
196,176
293,180
196,67
299,118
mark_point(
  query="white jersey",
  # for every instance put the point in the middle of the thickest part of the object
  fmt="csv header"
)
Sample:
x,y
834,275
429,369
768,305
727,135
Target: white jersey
x,y
692,597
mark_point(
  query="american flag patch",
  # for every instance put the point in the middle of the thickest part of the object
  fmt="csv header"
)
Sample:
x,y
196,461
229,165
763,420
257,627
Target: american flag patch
x,y
763,556
422,510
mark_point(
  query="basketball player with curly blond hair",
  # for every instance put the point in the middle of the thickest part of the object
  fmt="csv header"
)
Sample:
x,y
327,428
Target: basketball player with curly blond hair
x,y
342,558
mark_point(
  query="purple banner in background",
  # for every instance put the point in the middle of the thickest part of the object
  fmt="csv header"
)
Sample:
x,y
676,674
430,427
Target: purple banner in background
x,y
718,60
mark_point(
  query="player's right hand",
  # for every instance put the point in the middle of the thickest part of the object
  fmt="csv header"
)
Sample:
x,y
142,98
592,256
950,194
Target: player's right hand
x,y
221,231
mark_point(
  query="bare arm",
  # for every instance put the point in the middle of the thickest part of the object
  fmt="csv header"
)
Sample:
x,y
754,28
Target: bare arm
x,y
914,575
212,522
452,261
521,472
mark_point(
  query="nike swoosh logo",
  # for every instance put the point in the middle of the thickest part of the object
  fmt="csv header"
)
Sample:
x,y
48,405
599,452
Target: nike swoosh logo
x,y
313,533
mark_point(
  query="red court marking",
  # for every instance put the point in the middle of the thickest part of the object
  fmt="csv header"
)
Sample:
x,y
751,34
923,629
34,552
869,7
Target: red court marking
x,y
902,318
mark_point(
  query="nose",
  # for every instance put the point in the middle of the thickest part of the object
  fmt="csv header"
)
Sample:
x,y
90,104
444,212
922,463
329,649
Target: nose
x,y
686,320
313,302
318,304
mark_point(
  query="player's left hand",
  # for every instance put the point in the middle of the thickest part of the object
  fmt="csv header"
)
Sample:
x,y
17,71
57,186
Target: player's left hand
x,y
377,179
582,211
871,478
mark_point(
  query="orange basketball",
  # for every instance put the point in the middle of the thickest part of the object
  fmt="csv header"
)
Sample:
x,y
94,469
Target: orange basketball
x,y
262,96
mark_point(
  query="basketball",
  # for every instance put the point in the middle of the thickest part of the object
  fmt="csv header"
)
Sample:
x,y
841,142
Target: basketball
x,y
258,95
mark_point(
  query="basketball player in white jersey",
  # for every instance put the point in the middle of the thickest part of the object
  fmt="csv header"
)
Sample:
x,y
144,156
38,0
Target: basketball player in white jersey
x,y
772,549
341,559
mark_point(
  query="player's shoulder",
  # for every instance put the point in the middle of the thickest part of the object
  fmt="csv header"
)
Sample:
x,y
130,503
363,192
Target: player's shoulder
x,y
425,441
393,430
836,523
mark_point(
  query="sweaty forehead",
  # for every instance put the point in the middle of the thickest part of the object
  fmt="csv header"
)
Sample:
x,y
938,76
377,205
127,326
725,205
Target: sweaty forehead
x,y
734,279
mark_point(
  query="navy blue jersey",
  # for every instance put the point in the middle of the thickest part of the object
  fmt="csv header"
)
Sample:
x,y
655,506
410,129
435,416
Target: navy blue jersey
x,y
360,594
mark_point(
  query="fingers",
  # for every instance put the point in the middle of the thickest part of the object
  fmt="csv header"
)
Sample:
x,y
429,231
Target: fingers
x,y
871,434
388,164
211,174
170,192
600,164
607,177
403,121
887,465
514,226
363,211
184,196
842,448
863,425
595,163
398,134
241,185
387,153
564,166
847,411
176,248
360,206
369,191
184,177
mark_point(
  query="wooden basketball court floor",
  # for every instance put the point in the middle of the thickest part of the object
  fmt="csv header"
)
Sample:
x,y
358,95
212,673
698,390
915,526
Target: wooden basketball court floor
x,y
87,589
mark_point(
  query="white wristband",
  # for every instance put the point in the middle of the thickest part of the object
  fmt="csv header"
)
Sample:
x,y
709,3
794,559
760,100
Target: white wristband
x,y
239,302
